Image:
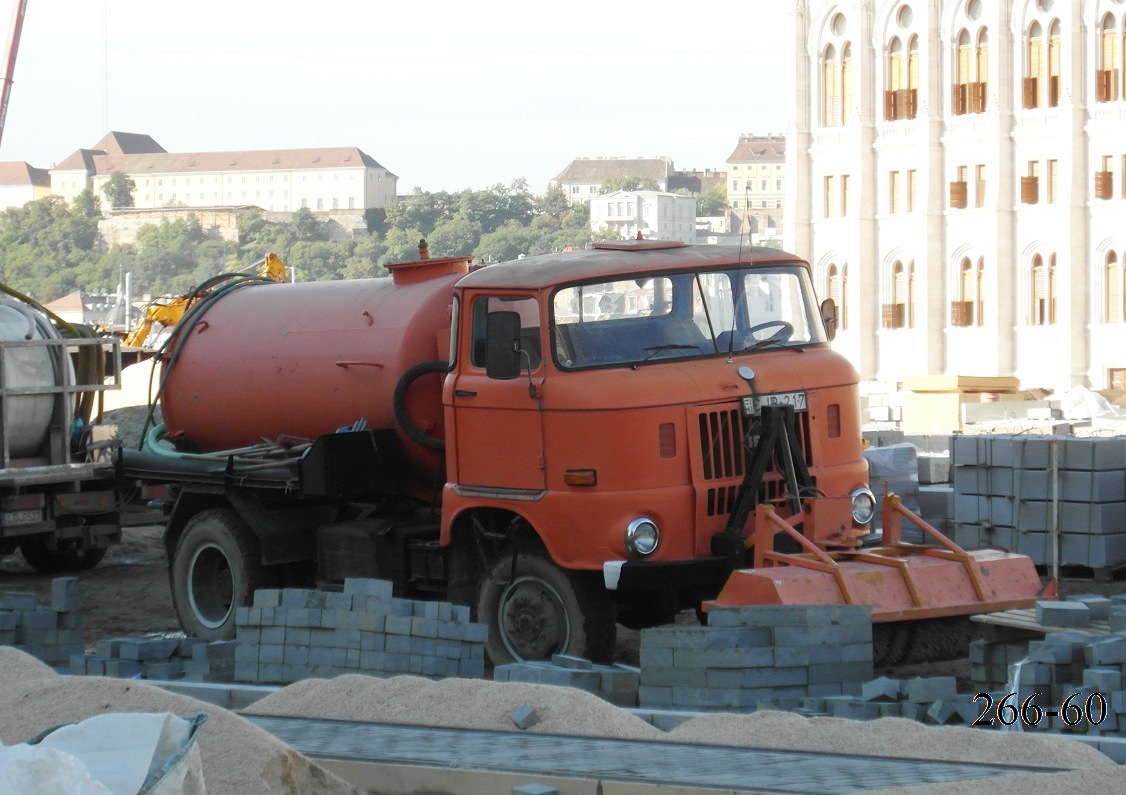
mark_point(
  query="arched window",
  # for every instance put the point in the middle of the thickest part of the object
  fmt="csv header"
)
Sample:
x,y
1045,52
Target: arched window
x,y
843,311
901,97
830,84
1033,67
962,77
1043,285
835,291
1115,290
1110,66
962,307
895,312
910,296
979,293
980,93
846,83
1054,65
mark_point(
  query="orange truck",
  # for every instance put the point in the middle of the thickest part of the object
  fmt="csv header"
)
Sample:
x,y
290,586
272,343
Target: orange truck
x,y
566,443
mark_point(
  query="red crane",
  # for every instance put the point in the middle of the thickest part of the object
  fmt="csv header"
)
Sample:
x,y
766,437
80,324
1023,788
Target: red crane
x,y
13,47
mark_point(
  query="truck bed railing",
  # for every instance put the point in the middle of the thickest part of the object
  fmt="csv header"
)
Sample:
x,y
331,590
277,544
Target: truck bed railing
x,y
57,449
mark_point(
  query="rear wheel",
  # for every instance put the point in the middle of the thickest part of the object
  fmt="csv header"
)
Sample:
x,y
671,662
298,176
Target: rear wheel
x,y
54,561
534,609
216,568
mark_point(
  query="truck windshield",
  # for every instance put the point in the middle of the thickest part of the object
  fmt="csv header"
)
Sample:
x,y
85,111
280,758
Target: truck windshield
x,y
644,318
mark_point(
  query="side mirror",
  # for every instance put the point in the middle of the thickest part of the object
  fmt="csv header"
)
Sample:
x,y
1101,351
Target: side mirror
x,y
502,345
829,317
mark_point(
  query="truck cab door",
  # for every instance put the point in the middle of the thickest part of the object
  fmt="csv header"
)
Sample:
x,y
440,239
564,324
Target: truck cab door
x,y
497,419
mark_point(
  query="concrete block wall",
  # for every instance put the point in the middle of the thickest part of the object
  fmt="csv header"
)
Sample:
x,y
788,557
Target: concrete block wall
x,y
292,634
51,632
616,683
161,657
751,656
1003,489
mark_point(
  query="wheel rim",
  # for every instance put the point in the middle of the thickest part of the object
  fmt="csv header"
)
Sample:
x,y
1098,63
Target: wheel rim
x,y
532,620
211,586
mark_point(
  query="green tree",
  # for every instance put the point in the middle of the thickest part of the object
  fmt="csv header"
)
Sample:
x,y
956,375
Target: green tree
x,y
712,202
375,218
119,189
628,183
306,227
454,237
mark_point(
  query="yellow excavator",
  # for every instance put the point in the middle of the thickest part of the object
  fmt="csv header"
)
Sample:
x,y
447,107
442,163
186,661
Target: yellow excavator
x,y
168,311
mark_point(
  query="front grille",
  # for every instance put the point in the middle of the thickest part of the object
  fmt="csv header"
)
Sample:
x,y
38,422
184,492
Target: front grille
x,y
724,457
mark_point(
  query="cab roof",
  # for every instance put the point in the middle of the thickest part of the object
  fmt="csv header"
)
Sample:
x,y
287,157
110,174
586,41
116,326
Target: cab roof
x,y
608,260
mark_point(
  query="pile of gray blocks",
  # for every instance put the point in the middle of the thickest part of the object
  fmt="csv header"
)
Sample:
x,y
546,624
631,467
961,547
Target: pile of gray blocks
x,y
52,632
751,656
161,657
295,633
932,700
1004,488
615,683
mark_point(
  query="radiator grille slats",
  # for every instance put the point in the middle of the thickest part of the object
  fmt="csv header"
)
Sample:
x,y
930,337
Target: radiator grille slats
x,y
724,457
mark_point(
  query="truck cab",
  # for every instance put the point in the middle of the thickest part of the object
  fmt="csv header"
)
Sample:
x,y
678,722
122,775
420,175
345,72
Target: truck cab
x,y
602,413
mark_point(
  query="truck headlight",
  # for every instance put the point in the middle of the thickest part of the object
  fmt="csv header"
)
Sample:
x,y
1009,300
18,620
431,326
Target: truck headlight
x,y
863,505
642,537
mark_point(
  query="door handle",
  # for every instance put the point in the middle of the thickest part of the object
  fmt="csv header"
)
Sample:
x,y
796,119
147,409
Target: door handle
x,y
464,393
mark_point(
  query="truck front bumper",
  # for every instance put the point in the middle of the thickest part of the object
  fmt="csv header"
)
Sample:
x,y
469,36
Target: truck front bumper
x,y
653,575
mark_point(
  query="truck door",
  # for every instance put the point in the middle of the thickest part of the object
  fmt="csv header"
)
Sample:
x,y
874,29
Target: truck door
x,y
497,421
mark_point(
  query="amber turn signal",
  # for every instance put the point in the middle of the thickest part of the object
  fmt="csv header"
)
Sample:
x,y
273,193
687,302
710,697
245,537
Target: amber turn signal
x,y
580,477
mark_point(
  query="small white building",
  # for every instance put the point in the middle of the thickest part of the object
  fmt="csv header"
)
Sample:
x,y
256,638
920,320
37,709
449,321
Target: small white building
x,y
21,183
652,214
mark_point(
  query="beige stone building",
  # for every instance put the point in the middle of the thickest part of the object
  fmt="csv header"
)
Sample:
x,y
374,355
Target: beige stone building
x,y
283,180
21,183
957,178
582,178
756,182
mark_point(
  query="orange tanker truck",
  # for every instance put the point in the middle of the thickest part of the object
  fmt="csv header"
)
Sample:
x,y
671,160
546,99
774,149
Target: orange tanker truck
x,y
564,443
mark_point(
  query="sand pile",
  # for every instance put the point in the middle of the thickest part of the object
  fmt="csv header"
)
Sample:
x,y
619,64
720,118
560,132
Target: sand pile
x,y
888,737
238,757
455,703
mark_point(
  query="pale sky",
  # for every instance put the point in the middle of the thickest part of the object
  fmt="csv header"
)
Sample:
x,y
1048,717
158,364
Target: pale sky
x,y
446,95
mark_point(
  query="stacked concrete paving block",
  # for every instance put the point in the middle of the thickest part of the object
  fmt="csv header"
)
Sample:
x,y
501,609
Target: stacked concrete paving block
x,y
51,632
161,657
615,683
295,633
749,657
1004,490
990,661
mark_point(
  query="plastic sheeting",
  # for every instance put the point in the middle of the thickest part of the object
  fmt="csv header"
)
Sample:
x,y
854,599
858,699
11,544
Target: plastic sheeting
x,y
122,753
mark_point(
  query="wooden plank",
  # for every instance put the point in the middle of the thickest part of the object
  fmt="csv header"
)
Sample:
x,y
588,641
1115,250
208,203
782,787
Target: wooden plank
x,y
960,383
1025,618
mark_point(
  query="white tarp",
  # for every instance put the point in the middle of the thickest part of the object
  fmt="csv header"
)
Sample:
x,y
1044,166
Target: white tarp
x,y
123,753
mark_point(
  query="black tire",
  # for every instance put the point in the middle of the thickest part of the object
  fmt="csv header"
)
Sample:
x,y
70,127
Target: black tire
x,y
399,404
537,609
55,561
216,568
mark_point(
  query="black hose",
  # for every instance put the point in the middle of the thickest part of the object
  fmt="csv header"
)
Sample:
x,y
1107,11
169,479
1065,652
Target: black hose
x,y
399,404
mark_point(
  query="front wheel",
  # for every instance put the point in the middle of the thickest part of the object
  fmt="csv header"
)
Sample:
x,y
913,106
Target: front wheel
x,y
216,568
534,609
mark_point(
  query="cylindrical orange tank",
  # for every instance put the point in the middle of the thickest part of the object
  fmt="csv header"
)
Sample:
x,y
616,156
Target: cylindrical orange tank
x,y
300,360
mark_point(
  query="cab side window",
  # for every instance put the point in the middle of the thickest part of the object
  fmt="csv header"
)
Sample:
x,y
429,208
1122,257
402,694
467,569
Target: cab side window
x,y
529,312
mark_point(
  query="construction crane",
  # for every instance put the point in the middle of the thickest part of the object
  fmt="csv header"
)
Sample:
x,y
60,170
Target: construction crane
x,y
169,310
10,69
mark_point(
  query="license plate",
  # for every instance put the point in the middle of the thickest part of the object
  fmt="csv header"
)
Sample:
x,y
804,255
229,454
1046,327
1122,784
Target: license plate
x,y
12,518
753,405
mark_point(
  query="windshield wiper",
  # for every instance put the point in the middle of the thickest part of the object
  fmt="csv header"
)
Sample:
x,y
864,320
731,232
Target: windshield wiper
x,y
670,347
768,341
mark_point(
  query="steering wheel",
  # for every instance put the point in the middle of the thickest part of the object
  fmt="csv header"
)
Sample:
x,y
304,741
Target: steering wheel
x,y
784,332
